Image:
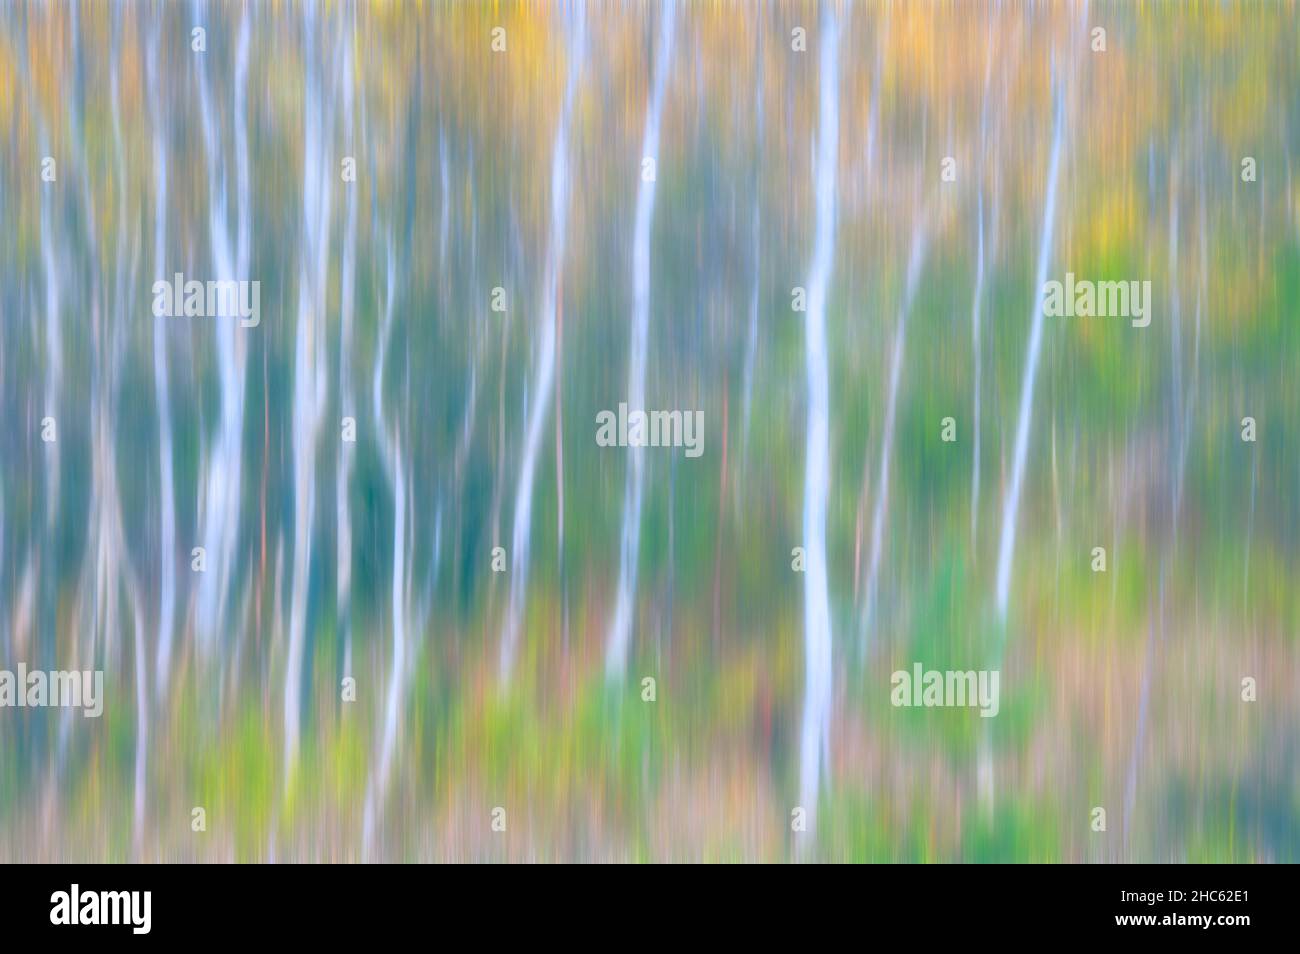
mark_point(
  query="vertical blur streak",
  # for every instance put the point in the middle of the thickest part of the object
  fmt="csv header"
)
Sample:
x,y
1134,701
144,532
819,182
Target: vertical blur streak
x,y
167,499
620,629
915,265
756,248
125,284
1011,503
390,449
53,342
309,385
347,398
343,600
1011,506
814,744
977,299
220,489
545,368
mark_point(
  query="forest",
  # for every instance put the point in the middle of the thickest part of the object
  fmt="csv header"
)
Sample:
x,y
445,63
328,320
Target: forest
x,y
378,562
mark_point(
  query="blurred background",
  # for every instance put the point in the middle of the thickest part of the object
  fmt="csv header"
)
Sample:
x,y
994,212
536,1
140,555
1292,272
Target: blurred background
x,y
349,669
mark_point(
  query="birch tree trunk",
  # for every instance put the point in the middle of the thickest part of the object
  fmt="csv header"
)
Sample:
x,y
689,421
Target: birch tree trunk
x,y
221,481
1011,504
815,732
620,630
542,385
915,265
309,388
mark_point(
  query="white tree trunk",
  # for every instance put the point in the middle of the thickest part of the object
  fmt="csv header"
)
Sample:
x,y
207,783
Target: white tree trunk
x,y
543,383
167,498
309,389
620,630
221,482
1011,504
815,732
347,399
915,264
391,456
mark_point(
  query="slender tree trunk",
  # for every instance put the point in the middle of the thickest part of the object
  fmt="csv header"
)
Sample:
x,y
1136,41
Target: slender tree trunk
x,y
309,386
751,339
167,494
559,459
221,483
620,630
815,732
976,307
392,457
347,399
1011,504
545,368
915,265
